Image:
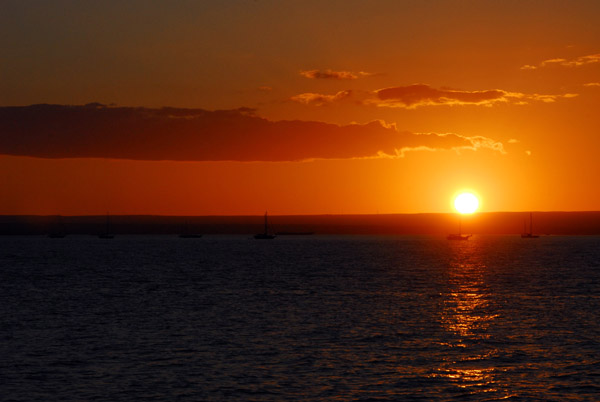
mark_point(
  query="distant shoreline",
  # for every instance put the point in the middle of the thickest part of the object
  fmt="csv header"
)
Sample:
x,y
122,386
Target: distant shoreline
x,y
553,223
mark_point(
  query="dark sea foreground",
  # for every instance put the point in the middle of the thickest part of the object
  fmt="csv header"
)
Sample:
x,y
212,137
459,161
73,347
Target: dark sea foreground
x,y
299,318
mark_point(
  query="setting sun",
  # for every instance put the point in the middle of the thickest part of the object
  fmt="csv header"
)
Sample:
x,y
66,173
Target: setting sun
x,y
466,203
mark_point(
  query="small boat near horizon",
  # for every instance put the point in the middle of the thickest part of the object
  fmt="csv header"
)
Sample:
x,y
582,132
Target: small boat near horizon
x,y
58,232
528,235
265,235
56,235
459,235
107,234
187,235
190,236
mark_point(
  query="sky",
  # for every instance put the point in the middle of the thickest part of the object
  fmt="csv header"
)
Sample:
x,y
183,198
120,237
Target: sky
x,y
298,107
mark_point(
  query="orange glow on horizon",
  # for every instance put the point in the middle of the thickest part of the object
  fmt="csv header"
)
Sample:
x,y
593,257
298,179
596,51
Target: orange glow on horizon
x,y
123,187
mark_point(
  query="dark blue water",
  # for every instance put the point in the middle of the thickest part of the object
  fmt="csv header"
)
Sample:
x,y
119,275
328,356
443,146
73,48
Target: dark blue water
x,y
305,318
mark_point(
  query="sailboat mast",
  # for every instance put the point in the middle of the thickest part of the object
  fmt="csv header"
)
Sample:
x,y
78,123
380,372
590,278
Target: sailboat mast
x,y
265,222
459,224
530,222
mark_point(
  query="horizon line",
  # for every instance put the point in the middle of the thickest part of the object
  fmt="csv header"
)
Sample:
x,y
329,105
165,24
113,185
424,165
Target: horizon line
x,y
306,214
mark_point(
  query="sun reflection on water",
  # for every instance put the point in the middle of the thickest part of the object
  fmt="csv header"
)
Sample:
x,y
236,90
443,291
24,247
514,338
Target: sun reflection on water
x,y
465,309
466,303
466,316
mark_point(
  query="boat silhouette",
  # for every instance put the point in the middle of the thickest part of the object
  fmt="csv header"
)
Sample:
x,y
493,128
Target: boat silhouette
x,y
190,236
55,235
529,235
265,235
58,232
187,235
294,233
106,234
459,235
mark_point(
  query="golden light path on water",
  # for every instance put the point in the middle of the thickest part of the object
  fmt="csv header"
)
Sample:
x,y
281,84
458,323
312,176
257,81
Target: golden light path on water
x,y
465,315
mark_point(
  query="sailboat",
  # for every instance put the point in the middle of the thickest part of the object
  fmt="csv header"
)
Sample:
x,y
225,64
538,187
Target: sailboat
x,y
106,234
58,232
187,235
529,235
459,235
265,235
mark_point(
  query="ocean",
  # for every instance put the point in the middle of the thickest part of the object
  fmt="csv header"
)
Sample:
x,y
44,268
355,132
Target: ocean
x,y
230,318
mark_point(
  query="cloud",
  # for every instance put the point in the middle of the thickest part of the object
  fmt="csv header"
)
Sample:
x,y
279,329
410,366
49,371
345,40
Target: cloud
x,y
99,131
577,62
449,141
416,95
333,75
420,95
592,84
310,98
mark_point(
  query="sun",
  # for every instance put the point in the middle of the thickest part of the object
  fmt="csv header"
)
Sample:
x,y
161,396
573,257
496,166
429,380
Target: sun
x,y
466,203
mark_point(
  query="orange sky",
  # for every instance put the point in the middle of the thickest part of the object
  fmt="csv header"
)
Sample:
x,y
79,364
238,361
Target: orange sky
x,y
337,98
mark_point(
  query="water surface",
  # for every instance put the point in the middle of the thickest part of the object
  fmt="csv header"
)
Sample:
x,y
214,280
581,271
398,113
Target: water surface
x,y
306,318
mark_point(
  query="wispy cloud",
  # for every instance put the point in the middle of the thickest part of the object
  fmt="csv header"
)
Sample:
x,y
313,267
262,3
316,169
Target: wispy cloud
x,y
99,131
315,99
592,84
450,141
421,95
417,95
334,75
577,62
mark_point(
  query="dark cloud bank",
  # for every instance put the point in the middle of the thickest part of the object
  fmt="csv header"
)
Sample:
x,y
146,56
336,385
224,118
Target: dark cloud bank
x,y
95,130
